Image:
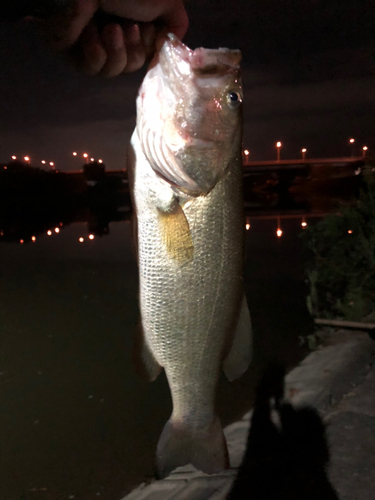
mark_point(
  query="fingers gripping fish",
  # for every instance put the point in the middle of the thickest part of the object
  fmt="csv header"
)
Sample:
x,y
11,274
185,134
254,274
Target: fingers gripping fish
x,y
185,170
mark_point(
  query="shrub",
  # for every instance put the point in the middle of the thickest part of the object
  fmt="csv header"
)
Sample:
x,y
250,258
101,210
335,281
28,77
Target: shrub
x,y
341,272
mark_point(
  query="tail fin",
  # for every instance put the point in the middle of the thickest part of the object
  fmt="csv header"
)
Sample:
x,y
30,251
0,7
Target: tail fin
x,y
180,444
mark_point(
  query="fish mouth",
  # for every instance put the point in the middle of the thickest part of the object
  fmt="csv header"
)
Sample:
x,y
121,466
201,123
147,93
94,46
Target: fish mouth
x,y
200,61
171,139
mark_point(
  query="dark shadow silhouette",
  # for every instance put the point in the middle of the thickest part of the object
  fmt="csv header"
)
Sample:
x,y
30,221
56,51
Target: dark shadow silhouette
x,y
284,459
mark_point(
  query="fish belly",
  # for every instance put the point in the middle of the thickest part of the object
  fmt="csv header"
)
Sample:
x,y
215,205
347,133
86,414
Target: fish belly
x,y
190,308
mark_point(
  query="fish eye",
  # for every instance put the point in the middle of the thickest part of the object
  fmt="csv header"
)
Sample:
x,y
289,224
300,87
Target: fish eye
x,y
234,99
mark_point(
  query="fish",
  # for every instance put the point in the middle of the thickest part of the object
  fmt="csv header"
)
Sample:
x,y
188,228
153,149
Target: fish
x,y
185,176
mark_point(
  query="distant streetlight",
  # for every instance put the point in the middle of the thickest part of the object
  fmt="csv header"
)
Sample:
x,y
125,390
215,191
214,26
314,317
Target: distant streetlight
x,y
92,159
279,231
364,151
100,161
14,157
86,156
91,236
81,240
75,153
303,223
33,239
57,229
351,142
51,164
303,151
245,155
43,162
26,158
278,147
49,232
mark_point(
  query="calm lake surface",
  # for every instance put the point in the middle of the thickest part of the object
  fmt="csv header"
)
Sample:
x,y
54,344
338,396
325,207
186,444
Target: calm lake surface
x,y
76,420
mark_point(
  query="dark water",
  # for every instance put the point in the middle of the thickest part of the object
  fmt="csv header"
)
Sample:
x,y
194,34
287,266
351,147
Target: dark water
x,y
75,419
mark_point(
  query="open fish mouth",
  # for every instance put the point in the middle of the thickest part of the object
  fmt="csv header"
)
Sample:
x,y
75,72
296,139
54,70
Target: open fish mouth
x,y
181,91
200,61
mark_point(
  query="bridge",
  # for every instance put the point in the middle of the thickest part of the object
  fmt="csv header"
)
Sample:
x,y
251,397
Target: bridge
x,y
303,163
349,163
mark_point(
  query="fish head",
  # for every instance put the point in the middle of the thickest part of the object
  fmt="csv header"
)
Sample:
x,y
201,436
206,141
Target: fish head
x,y
189,114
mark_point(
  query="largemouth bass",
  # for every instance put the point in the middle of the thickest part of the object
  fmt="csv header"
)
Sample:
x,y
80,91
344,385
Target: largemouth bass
x,y
185,170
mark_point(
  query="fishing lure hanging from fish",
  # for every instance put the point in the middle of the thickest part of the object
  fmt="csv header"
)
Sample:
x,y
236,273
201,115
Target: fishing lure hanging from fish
x,y
185,170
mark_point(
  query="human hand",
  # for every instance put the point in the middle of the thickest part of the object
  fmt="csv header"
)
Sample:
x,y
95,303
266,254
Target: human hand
x,y
110,37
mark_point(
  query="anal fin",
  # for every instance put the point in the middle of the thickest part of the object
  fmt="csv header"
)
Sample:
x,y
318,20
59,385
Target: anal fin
x,y
238,359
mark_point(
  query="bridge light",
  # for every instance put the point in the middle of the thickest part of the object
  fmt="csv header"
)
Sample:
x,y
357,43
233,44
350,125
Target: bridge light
x,y
351,142
278,147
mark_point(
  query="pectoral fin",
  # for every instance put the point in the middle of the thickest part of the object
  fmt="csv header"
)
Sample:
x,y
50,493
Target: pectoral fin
x,y
239,356
176,234
145,362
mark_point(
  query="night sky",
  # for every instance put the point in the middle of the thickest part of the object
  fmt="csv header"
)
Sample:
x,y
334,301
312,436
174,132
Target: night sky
x,y
308,70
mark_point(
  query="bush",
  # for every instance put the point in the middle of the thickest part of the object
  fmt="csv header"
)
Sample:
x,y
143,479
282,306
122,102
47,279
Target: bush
x,y
341,272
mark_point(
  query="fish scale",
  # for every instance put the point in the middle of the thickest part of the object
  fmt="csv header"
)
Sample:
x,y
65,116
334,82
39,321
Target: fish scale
x,y
195,303
190,257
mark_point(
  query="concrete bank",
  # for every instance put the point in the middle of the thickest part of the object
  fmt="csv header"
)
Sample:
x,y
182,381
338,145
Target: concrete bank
x,y
338,380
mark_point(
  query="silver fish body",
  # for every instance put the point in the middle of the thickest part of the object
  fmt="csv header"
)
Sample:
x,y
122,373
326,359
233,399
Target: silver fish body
x,y
190,238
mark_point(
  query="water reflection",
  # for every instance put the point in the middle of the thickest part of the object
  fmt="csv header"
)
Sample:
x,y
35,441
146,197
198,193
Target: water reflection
x,y
34,205
72,408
